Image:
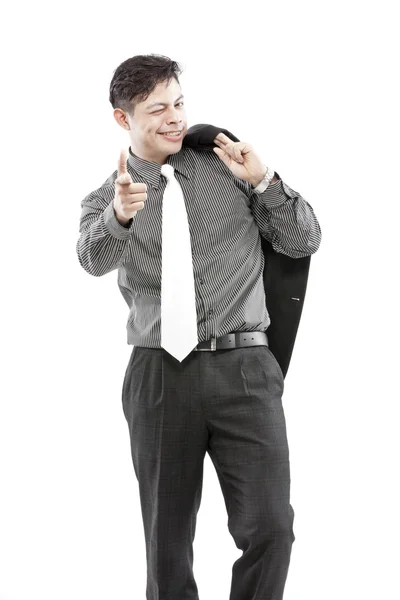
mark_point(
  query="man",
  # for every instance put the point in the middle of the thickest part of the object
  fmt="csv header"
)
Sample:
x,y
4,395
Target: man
x,y
225,396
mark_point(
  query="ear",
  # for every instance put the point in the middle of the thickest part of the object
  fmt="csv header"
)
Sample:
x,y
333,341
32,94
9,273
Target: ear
x,y
121,117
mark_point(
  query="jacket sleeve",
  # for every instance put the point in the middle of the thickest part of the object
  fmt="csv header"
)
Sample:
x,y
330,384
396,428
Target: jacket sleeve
x,y
285,219
103,242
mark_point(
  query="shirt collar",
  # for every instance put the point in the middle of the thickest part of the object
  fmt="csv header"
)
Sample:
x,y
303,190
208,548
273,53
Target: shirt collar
x,y
151,171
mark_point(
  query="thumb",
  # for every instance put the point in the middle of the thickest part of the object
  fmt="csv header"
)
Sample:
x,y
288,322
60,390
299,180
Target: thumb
x,y
222,154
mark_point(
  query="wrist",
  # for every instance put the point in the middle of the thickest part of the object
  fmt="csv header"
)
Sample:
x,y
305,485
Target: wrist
x,y
255,182
122,220
267,179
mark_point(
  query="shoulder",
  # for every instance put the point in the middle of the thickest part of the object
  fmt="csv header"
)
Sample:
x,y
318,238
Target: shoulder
x,y
102,195
210,165
206,160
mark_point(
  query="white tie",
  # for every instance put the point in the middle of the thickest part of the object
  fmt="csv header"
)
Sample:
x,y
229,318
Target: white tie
x,y
178,296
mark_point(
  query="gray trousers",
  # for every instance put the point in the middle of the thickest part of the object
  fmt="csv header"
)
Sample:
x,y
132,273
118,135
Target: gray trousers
x,y
227,403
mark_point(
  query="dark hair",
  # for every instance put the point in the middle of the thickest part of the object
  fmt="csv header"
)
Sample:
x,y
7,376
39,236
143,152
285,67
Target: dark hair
x,y
135,79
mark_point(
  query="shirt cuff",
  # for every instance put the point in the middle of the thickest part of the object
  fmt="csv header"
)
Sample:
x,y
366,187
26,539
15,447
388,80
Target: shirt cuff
x,y
274,195
114,226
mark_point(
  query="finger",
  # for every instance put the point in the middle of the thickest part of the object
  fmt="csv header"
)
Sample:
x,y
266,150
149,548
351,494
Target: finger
x,y
234,151
223,138
124,179
136,188
123,157
220,143
222,155
123,176
238,154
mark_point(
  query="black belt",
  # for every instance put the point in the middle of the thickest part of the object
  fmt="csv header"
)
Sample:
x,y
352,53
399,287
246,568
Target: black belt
x,y
237,339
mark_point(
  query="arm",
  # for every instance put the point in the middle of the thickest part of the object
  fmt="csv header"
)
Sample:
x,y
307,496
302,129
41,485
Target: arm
x,y
285,219
103,240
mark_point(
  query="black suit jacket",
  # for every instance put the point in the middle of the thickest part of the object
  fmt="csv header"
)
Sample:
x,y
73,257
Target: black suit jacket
x,y
285,278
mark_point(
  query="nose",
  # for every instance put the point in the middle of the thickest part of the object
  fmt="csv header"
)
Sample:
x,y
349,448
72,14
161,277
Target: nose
x,y
174,116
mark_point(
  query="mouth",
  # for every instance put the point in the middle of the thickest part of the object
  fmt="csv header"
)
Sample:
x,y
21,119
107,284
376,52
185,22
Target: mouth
x,y
174,138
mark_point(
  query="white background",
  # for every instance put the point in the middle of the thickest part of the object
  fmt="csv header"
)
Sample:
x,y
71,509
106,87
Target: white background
x,y
313,87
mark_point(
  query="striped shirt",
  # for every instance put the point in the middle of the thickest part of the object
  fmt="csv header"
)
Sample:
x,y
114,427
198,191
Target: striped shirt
x,y
226,218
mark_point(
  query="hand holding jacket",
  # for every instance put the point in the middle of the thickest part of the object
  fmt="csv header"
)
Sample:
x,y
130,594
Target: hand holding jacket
x,y
240,158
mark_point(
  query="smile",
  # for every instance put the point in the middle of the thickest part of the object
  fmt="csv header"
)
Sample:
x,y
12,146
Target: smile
x,y
175,136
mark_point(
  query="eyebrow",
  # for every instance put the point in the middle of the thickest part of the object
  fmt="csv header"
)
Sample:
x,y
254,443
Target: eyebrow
x,y
162,103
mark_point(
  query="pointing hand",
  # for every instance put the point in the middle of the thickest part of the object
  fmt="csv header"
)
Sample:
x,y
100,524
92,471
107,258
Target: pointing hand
x,y
129,196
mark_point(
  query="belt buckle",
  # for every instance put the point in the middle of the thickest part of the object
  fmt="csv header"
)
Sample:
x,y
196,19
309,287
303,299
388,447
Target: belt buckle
x,y
213,340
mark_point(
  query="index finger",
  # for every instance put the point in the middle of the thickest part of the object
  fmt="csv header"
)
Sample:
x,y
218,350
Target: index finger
x,y
123,157
221,137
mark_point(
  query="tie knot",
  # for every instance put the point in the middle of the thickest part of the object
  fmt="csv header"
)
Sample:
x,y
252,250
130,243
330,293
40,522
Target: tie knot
x,y
167,171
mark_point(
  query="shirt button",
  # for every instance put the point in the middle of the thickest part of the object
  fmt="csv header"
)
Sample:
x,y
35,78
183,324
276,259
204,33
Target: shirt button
x,y
201,281
210,312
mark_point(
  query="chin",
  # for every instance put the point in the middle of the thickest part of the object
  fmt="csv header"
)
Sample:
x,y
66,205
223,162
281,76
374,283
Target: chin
x,y
176,146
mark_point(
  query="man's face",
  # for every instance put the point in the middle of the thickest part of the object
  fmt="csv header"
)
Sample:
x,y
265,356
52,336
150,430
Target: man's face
x,y
162,111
